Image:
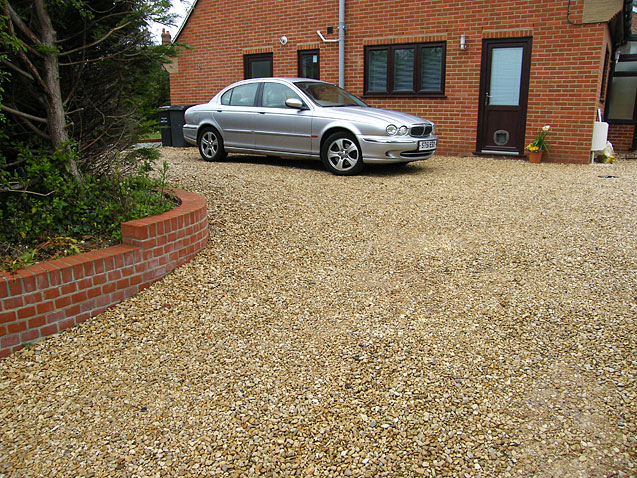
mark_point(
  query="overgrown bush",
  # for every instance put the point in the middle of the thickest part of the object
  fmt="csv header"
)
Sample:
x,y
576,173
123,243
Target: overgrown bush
x,y
80,82
54,206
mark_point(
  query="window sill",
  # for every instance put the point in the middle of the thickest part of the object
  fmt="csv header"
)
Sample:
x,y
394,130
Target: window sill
x,y
404,95
620,121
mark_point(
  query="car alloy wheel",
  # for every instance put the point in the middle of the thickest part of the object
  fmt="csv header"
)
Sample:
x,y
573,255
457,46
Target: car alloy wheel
x,y
342,155
210,145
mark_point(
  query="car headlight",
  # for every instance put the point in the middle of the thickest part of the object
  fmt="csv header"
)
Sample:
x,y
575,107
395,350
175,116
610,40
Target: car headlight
x,y
403,130
433,128
391,130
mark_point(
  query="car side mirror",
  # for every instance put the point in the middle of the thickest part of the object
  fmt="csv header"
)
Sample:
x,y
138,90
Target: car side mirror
x,y
295,103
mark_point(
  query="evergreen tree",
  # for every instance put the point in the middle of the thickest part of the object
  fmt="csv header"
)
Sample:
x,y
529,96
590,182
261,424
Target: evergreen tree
x,y
75,73
78,79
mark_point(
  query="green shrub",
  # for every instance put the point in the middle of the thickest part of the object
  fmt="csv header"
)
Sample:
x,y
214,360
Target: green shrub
x,y
38,201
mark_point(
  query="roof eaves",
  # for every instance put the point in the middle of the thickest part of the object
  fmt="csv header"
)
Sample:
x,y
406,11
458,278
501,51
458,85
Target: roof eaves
x,y
186,18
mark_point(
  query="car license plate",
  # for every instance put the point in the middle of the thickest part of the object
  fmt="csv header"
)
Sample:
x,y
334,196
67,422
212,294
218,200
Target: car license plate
x,y
425,145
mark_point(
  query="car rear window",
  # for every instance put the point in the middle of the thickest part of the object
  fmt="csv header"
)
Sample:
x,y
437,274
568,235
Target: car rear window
x,y
243,95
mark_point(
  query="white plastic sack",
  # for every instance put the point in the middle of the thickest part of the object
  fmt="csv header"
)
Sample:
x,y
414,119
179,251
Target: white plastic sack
x,y
606,155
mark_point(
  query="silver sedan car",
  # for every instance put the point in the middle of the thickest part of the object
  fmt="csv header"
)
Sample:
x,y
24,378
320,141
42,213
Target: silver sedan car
x,y
300,118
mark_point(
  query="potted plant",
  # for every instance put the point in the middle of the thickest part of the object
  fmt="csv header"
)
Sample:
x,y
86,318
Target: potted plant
x,y
538,146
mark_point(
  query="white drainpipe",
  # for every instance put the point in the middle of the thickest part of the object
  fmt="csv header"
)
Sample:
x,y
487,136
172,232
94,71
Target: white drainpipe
x,y
341,42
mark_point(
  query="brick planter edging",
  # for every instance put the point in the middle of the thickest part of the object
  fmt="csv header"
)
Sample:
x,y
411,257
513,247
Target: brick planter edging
x,y
49,297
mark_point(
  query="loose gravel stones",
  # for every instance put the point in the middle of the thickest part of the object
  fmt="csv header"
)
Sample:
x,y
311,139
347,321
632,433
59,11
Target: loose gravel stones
x,y
456,317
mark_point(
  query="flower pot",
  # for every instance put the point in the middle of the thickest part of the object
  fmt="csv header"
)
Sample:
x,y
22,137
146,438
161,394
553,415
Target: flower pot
x,y
535,156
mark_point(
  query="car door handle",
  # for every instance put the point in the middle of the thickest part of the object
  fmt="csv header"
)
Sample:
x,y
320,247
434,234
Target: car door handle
x,y
261,112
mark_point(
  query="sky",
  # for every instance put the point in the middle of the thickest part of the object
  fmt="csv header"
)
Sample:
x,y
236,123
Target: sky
x,y
180,7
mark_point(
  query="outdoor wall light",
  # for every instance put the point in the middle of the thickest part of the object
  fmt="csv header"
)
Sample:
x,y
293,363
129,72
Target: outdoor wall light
x,y
463,42
283,40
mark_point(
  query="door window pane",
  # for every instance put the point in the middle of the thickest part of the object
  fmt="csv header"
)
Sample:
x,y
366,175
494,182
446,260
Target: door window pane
x,y
506,74
629,48
275,94
404,69
622,98
377,70
244,95
626,66
309,64
431,68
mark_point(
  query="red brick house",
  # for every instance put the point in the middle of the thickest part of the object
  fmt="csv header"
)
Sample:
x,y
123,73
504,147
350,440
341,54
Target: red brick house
x,y
489,74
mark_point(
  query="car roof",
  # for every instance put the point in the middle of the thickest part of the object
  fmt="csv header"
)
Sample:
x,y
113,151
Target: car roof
x,y
277,78
282,79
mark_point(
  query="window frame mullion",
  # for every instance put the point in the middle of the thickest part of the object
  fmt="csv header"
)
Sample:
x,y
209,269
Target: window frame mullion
x,y
417,86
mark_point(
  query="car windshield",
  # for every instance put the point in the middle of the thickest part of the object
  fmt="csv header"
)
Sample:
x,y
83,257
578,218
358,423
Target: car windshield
x,y
324,94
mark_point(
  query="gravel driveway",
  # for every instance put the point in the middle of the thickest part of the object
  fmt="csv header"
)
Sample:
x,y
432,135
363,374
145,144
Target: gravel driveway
x,y
455,317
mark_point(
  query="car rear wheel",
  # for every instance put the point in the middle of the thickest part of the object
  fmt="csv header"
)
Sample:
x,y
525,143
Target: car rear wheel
x,y
211,144
342,155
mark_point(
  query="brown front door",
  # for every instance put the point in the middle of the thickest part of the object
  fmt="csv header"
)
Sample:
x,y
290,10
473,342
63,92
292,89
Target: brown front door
x,y
504,92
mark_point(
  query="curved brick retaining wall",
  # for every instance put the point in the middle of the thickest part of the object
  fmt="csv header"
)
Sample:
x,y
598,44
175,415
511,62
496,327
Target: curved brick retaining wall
x,y
48,297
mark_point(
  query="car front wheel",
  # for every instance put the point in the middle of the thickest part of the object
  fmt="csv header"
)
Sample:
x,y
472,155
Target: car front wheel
x,y
210,144
342,155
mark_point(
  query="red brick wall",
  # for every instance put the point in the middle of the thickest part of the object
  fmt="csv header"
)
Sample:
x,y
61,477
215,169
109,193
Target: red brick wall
x,y
49,297
621,137
566,70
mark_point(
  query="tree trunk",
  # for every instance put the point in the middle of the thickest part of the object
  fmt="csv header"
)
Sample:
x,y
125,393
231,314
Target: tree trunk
x,y
56,116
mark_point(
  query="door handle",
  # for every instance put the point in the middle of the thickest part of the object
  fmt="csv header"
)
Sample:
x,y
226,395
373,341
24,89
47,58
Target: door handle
x,y
486,99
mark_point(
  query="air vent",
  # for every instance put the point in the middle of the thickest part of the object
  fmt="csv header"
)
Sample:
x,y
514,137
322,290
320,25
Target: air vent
x,y
421,130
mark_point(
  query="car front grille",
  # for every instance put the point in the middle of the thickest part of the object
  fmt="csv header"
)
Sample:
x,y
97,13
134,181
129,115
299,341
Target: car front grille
x,y
421,130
